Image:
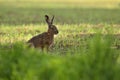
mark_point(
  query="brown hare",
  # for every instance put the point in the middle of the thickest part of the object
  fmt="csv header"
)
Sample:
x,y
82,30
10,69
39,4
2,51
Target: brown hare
x,y
45,40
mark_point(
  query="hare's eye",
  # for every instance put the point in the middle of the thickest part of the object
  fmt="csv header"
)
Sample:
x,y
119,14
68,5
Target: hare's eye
x,y
54,28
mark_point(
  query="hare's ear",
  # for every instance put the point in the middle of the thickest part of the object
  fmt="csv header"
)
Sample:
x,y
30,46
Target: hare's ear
x,y
47,19
52,20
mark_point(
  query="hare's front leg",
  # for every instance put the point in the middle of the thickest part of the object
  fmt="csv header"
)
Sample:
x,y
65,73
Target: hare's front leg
x,y
51,45
44,48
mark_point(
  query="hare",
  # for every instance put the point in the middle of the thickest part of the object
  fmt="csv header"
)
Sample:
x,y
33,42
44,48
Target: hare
x,y
46,39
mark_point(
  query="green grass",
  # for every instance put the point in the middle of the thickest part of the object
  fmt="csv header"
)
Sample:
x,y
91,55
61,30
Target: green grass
x,y
20,16
32,12
86,48
97,61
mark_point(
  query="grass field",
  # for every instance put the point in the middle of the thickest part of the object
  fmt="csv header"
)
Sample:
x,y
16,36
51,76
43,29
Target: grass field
x,y
86,48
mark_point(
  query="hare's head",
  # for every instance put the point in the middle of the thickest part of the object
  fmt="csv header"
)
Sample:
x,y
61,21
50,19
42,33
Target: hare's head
x,y
51,28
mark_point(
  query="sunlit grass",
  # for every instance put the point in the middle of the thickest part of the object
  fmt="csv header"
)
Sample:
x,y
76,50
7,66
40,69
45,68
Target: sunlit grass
x,y
70,36
65,30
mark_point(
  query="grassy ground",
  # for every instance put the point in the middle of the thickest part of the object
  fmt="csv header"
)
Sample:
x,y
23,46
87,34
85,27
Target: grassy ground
x,y
70,36
87,46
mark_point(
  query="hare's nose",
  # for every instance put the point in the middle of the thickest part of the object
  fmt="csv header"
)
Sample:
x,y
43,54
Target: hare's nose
x,y
56,32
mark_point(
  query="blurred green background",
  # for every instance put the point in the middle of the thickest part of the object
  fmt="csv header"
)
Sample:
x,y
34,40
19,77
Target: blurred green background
x,y
66,11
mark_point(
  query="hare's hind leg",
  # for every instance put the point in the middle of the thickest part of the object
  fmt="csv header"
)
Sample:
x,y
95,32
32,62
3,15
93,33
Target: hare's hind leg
x,y
42,48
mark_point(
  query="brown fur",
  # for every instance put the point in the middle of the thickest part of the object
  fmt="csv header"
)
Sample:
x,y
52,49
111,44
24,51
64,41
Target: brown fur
x,y
45,39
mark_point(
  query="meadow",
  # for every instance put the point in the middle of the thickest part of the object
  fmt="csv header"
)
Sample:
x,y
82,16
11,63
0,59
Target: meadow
x,y
86,48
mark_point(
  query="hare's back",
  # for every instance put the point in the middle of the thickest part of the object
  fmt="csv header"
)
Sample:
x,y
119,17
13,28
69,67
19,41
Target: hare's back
x,y
37,38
